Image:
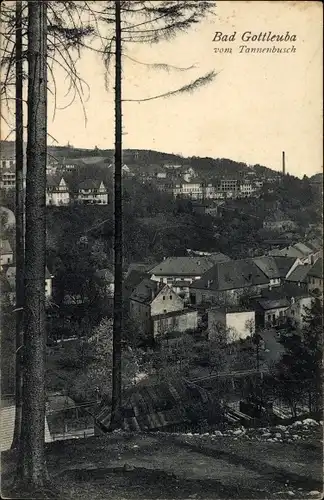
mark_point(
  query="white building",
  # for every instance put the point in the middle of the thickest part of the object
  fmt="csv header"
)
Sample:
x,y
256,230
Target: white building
x,y
57,191
238,324
6,253
92,192
8,179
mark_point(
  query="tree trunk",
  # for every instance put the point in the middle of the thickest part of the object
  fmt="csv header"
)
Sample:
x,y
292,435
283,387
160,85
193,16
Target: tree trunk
x,y
19,223
118,239
31,467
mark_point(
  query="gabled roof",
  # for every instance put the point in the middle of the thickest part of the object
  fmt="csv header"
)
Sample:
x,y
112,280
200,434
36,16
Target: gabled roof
x,y
146,291
53,181
317,270
268,304
153,407
231,275
275,266
90,184
5,247
299,274
299,250
187,266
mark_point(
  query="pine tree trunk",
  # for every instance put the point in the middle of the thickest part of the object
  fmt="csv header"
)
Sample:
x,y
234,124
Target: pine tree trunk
x,y
118,239
19,223
31,467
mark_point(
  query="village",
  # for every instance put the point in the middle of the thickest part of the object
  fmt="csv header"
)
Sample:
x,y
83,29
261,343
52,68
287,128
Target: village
x,y
211,316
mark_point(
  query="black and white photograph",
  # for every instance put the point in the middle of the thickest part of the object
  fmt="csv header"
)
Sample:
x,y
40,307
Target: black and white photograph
x,y
161,249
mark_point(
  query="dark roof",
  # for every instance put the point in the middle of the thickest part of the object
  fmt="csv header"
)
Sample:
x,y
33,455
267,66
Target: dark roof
x,y
275,266
287,290
54,180
132,280
317,270
267,304
299,274
187,266
90,184
140,266
231,275
145,291
162,406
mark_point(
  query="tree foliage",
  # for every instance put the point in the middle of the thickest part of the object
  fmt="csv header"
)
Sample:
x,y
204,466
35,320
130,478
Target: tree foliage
x,y
299,372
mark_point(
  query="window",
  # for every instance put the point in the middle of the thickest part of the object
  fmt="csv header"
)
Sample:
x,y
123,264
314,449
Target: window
x,y
163,297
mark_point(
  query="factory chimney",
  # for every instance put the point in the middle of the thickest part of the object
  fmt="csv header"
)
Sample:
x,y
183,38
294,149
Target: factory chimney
x,y
283,163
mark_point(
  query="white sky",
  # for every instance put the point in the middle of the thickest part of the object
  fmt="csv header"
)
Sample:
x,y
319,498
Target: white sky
x,y
258,106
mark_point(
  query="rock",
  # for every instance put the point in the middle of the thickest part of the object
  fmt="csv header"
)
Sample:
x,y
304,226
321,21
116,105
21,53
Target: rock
x,y
298,423
277,435
266,435
270,440
135,446
313,493
218,433
188,434
281,427
237,432
290,493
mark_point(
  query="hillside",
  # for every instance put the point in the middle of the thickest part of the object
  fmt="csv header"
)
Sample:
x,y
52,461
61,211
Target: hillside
x,y
209,167
183,466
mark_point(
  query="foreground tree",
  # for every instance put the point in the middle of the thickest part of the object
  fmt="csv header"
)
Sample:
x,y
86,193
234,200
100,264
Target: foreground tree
x,y
299,373
19,222
138,22
31,467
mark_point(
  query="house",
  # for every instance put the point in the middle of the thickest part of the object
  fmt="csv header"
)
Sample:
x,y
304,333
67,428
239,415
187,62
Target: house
x,y
300,251
270,312
92,192
167,406
293,302
299,275
185,189
180,272
238,323
11,277
227,282
276,268
8,179
57,191
246,188
315,277
6,253
159,309
298,308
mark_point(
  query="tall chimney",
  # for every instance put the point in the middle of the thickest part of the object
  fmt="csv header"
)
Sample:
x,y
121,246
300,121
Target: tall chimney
x,y
283,163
